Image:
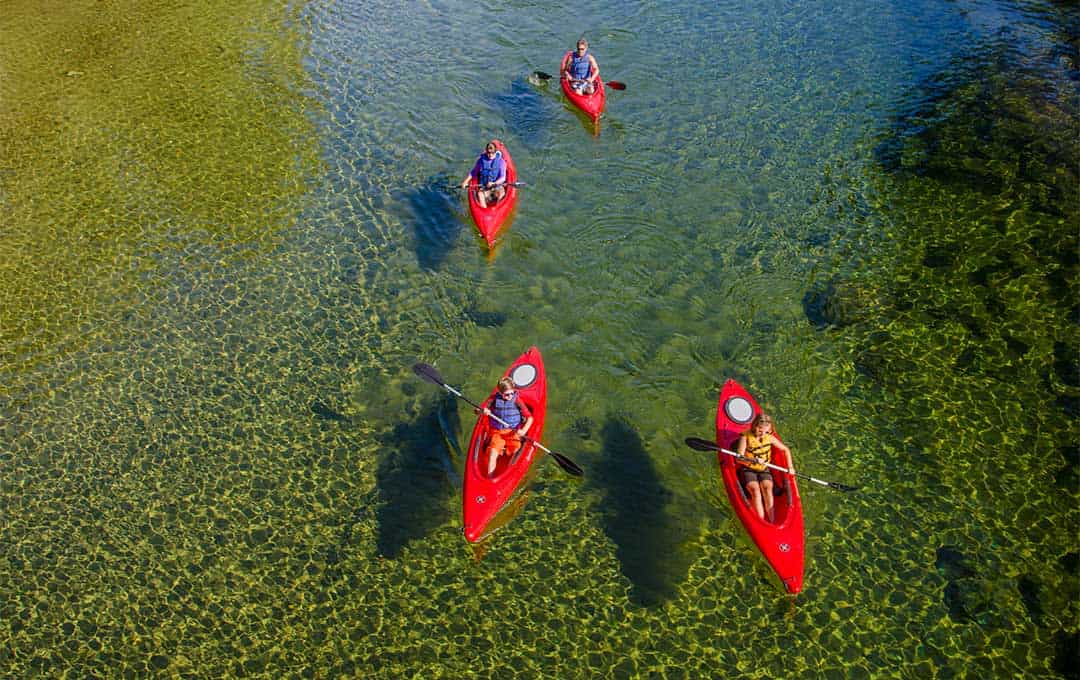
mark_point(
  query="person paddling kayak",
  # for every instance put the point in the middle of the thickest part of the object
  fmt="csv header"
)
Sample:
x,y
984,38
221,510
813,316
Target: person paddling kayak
x,y
515,417
758,442
490,175
580,68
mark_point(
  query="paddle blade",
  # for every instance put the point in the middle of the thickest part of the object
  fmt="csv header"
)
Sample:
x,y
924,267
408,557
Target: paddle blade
x,y
843,487
428,373
616,85
541,75
568,466
701,444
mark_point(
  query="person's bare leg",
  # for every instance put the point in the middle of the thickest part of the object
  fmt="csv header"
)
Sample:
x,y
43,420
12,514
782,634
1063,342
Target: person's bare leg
x,y
767,495
755,499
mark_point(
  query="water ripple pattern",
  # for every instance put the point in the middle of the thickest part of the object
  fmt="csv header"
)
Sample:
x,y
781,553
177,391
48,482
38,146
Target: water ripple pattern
x,y
230,229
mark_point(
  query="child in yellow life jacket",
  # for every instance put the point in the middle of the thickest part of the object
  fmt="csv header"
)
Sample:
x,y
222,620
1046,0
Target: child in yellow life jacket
x,y
758,442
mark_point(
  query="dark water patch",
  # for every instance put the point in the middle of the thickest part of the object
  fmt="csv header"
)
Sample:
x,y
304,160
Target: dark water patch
x,y
435,219
1067,654
583,427
634,515
486,319
529,111
952,563
479,308
953,597
1070,562
1069,405
323,411
940,256
412,483
971,595
1029,594
838,304
983,125
1067,364
1068,477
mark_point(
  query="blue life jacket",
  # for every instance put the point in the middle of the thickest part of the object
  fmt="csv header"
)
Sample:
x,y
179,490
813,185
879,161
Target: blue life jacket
x,y
507,410
579,66
489,168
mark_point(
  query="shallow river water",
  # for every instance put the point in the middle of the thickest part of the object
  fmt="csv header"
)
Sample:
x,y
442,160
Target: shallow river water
x,y
229,233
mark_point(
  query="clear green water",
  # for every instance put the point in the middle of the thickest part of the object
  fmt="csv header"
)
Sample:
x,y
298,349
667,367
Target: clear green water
x,y
228,239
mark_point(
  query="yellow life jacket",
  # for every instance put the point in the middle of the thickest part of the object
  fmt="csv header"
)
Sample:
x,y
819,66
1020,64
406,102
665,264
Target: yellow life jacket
x,y
757,448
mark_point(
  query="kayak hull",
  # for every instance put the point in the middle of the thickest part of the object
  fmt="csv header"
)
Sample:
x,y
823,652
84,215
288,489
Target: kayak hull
x,y
783,542
591,104
491,220
484,496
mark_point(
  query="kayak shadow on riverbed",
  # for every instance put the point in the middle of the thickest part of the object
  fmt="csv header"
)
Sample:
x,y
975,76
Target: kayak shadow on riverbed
x,y
438,219
415,481
529,114
634,516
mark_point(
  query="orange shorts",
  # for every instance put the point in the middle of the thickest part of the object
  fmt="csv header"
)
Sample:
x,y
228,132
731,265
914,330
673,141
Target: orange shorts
x,y
505,442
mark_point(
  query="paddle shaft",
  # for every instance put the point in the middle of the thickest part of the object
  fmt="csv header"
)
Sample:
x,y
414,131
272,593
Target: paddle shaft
x,y
756,460
504,184
789,471
613,84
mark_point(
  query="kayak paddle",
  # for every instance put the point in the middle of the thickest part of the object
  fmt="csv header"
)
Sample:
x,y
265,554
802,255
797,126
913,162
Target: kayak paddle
x,y
431,375
504,184
706,445
613,84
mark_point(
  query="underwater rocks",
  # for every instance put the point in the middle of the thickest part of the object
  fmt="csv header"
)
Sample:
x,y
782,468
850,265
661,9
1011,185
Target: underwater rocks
x,y
583,427
963,594
326,413
486,319
839,304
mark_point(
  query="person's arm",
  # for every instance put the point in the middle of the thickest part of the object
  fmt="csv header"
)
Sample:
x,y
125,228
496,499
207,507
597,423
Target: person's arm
x,y
472,173
485,406
785,450
564,68
501,179
527,414
595,75
740,445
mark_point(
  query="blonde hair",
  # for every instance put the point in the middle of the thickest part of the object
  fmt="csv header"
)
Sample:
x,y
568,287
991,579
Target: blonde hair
x,y
505,384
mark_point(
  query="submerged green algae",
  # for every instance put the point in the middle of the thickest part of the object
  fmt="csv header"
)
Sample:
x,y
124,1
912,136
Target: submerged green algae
x,y
130,129
147,149
958,308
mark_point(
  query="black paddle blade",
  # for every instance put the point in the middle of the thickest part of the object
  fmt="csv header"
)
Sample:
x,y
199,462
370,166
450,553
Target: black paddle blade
x,y
701,444
616,85
568,466
843,487
541,75
428,373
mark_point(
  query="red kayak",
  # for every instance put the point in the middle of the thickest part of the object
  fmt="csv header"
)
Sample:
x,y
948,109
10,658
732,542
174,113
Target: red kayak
x,y
483,496
491,219
591,104
782,542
